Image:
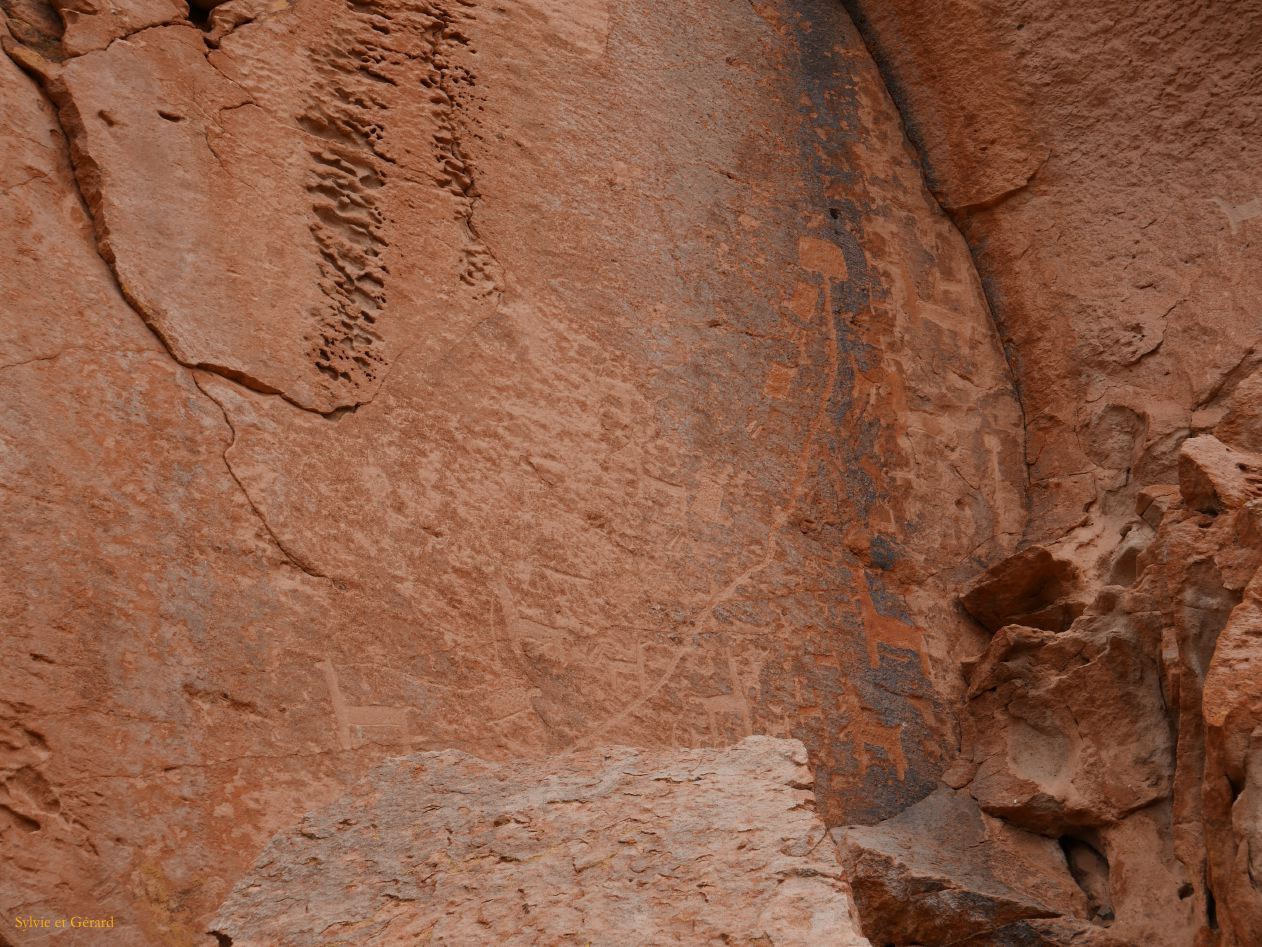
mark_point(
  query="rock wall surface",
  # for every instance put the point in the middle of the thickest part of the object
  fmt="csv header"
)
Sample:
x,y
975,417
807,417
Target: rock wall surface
x,y
1101,159
382,377
456,377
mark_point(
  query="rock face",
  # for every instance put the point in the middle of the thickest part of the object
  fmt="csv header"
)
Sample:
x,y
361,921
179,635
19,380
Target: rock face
x,y
943,871
1126,737
1099,160
516,380
618,847
386,377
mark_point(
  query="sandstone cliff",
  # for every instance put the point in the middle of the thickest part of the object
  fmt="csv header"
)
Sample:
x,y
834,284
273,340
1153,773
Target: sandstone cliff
x,y
519,380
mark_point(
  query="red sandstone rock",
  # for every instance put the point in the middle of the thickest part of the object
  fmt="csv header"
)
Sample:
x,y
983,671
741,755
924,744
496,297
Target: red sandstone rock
x,y
1032,588
1099,734
510,379
1154,502
1213,477
1100,160
942,872
1097,159
1233,765
383,377
1069,729
620,846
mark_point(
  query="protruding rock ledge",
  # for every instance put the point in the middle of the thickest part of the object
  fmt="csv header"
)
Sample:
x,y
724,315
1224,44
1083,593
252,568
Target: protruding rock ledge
x,y
944,872
1213,477
1032,588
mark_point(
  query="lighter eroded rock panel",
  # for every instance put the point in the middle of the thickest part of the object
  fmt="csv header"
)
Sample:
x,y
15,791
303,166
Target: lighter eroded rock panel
x,y
615,846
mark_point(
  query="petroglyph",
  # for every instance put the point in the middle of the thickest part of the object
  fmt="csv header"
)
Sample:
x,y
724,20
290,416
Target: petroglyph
x,y
1238,214
823,257
531,642
733,704
359,724
866,735
881,629
779,381
707,503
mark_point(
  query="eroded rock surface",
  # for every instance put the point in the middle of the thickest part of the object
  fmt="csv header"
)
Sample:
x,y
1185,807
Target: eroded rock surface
x,y
521,379
1124,742
387,377
1099,159
1069,729
618,846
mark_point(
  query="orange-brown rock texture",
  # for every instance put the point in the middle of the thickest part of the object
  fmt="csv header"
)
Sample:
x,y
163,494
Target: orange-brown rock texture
x,y
429,429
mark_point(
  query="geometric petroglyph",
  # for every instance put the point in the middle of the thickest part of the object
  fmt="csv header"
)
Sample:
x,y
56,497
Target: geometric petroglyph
x,y
779,381
357,725
707,503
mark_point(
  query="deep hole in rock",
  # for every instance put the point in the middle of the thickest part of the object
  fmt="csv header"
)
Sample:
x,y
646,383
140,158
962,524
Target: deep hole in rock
x,y
1236,787
1126,568
1090,870
199,13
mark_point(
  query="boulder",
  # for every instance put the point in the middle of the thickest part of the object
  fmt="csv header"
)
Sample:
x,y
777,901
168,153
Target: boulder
x,y
1214,477
944,872
615,846
1069,729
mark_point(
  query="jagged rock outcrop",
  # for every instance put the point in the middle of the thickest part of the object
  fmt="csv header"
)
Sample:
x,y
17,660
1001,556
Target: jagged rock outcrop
x,y
943,872
1068,729
1034,588
618,847
1097,158
1126,737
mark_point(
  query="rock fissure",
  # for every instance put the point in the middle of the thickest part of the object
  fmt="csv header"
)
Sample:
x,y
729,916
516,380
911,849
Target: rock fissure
x,y
296,561
854,9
